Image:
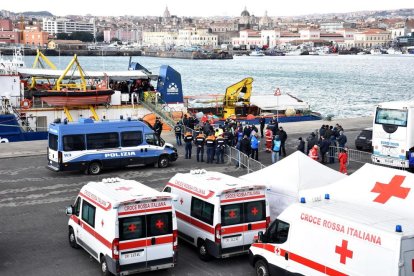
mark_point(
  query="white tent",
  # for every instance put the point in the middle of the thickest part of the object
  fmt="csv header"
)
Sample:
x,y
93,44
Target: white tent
x,y
374,187
288,177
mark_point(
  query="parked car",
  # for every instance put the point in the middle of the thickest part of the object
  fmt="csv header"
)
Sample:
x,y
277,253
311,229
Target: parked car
x,y
364,140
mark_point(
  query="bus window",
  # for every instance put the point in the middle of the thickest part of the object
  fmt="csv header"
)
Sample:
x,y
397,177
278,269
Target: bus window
x,y
102,140
73,142
391,117
131,138
53,141
152,139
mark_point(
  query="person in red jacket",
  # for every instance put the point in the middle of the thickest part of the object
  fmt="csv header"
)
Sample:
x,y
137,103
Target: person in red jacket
x,y
313,153
343,160
269,139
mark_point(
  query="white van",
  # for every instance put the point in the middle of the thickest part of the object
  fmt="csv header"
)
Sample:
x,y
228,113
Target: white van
x,y
335,238
219,214
126,226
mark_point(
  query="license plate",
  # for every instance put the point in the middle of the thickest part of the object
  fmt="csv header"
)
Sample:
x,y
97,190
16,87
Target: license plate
x,y
389,161
232,239
132,255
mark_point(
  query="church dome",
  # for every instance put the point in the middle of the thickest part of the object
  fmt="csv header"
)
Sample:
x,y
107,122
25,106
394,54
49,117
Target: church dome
x,y
245,12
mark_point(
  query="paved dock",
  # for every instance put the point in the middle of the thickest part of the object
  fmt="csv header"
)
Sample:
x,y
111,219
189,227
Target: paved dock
x,y
294,130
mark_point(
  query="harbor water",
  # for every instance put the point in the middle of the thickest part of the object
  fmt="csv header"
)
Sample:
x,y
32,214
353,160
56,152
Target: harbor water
x,y
342,86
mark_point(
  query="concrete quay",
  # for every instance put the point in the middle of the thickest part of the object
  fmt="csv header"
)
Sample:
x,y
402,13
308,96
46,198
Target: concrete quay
x,y
294,130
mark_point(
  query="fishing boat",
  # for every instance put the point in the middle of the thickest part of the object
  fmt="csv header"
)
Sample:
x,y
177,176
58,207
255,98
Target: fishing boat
x,y
257,53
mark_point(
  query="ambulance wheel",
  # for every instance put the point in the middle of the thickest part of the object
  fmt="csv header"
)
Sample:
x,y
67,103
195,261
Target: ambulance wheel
x,y
72,239
163,162
95,168
203,253
104,267
261,268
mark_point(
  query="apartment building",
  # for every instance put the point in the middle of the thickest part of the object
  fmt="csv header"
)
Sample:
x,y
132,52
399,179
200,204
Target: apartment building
x,y
372,38
67,26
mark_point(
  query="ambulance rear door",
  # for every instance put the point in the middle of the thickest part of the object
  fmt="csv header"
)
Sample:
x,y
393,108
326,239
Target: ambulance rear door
x,y
243,214
132,235
160,233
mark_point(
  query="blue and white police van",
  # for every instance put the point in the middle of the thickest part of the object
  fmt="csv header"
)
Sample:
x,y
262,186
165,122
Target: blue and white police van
x,y
91,146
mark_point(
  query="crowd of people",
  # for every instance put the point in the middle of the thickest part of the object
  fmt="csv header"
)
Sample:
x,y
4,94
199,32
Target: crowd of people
x,y
324,145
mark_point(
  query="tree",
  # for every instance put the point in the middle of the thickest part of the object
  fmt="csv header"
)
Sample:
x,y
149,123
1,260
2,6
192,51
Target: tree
x,y
99,37
62,36
82,36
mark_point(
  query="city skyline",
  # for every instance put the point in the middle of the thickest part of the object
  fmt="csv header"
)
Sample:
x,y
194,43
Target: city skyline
x,y
210,8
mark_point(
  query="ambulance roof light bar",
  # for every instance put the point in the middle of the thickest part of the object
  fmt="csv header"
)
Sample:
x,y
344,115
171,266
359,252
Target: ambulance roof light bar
x,y
202,171
302,200
398,228
327,196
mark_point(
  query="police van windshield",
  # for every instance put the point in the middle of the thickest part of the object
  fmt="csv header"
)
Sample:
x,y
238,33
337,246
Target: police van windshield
x,y
139,227
396,117
243,213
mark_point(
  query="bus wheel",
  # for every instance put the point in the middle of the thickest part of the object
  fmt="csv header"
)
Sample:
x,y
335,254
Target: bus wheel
x,y
261,268
95,168
163,162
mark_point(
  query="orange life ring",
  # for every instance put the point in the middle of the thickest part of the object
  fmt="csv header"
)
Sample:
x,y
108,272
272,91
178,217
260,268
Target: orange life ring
x,y
26,104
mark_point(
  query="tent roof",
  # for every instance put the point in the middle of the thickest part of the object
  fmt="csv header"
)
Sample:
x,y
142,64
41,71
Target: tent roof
x,y
293,174
375,187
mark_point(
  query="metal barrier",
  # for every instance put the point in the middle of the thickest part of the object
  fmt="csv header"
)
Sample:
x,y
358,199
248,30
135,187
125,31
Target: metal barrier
x,y
242,160
353,155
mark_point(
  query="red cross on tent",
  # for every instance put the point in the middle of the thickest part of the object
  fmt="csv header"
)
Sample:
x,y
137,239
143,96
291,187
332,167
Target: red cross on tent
x,y
232,214
132,227
254,211
159,224
392,189
123,188
344,252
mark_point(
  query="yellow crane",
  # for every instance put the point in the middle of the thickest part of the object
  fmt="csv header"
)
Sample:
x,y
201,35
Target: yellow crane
x,y
39,61
238,92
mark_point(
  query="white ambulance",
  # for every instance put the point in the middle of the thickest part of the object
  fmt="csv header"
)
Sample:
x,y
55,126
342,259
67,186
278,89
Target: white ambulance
x,y
219,214
335,238
126,226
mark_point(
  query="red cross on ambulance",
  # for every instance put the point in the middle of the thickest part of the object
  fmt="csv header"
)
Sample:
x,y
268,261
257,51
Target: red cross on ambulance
x,y
344,252
388,190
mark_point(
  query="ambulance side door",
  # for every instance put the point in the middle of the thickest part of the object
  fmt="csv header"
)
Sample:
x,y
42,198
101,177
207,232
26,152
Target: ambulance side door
x,y
76,220
277,235
87,231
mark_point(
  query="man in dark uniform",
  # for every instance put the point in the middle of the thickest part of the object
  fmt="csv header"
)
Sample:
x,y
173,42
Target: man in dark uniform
x,y
200,141
188,139
210,143
262,123
221,144
178,129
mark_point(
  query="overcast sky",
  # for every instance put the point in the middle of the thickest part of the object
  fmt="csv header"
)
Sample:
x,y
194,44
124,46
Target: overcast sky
x,y
201,8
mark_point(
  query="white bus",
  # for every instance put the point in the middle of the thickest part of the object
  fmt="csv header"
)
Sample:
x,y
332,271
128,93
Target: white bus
x,y
393,134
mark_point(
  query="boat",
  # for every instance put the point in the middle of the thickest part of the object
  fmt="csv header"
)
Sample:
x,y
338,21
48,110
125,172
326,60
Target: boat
x,y
410,50
50,94
257,53
238,103
376,52
394,51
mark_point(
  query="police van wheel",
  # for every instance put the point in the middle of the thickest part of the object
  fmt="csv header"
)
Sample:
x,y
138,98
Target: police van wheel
x,y
95,168
163,162
203,253
72,239
261,268
104,267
